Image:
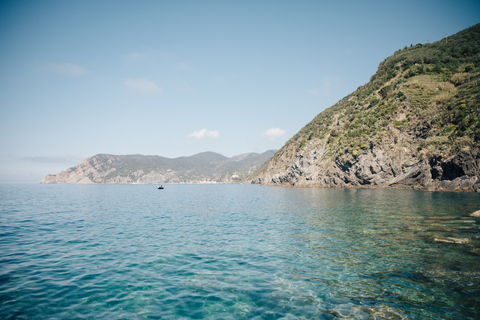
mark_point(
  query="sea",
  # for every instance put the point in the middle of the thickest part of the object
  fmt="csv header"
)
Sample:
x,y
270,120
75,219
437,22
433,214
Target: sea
x,y
237,252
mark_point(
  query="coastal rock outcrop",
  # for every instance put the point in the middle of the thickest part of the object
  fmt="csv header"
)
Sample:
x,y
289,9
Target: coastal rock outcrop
x,y
416,124
377,168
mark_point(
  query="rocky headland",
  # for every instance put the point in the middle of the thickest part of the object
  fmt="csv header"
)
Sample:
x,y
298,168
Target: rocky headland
x,y
415,124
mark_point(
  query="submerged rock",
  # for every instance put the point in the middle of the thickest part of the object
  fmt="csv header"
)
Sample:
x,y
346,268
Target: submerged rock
x,y
441,229
450,240
384,312
441,218
475,251
476,214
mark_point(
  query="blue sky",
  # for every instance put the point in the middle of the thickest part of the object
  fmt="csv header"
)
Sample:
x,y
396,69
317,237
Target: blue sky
x,y
175,78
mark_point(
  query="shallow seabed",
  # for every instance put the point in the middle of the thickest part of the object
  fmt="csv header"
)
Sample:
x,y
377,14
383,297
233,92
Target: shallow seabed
x,y
237,252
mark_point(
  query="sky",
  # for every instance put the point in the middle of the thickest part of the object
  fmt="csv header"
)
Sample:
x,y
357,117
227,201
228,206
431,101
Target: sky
x,y
176,78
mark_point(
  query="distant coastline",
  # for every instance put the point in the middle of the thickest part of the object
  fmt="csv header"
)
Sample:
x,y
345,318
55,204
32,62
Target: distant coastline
x,y
202,168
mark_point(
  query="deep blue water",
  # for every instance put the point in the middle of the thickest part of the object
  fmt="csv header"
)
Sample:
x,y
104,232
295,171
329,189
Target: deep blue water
x,y
237,252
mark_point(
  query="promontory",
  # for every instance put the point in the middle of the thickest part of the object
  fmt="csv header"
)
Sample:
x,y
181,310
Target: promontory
x,y
415,124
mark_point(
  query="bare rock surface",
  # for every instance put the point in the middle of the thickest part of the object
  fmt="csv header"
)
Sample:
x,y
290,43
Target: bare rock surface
x,y
476,214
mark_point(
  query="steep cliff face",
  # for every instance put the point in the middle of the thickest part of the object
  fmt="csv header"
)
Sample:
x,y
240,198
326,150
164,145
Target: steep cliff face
x,y
377,167
416,124
207,167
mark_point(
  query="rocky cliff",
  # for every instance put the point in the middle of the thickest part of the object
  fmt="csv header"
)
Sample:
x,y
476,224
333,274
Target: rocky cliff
x,y
207,167
416,124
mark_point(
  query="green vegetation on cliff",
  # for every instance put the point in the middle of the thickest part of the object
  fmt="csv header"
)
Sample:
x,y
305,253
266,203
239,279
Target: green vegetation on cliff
x,y
425,98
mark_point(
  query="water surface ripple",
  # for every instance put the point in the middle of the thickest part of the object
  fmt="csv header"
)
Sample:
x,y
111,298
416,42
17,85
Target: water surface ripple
x,y
237,252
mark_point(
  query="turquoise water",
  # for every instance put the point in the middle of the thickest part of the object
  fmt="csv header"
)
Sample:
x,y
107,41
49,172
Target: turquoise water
x,y
237,252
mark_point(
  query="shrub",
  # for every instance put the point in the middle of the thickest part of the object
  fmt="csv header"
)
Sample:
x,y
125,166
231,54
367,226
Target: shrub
x,y
446,86
463,141
401,124
435,141
459,78
384,91
442,97
437,69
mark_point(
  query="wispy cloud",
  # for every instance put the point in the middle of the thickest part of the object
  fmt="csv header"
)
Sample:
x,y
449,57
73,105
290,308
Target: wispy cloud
x,y
182,66
64,69
274,133
67,160
148,56
184,87
155,58
143,86
204,133
220,80
325,90
313,92
47,159
135,56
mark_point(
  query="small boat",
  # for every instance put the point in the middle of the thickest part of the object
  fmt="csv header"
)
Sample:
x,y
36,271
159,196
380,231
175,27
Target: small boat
x,y
161,187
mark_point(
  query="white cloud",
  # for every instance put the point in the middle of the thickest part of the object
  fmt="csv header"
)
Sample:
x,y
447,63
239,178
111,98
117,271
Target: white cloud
x,y
274,133
65,69
143,86
204,133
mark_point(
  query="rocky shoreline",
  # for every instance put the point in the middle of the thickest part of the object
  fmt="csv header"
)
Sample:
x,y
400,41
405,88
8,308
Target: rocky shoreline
x,y
376,169
414,125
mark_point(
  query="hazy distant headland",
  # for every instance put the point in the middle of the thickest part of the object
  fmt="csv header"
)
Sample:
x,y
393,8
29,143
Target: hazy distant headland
x,y
206,167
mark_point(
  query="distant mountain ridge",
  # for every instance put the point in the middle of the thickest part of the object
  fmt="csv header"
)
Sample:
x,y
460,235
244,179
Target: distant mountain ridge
x,y
415,124
206,167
